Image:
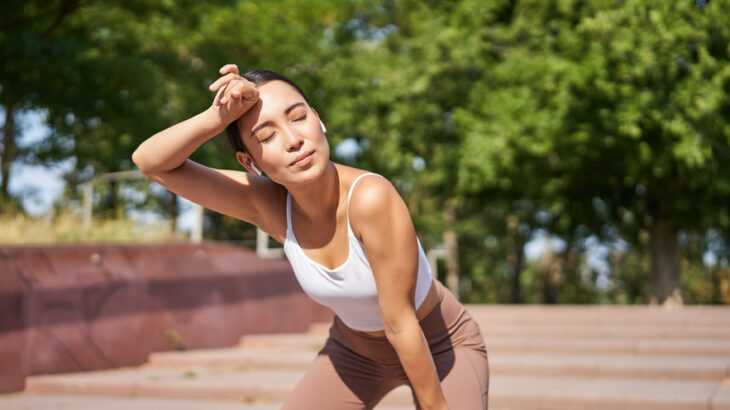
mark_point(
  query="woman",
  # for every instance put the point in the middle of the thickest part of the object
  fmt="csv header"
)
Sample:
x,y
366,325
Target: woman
x,y
349,238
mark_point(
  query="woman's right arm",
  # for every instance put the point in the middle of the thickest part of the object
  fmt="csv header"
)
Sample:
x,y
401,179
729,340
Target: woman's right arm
x,y
164,156
169,148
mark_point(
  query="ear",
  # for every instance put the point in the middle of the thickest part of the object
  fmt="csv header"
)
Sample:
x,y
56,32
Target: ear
x,y
244,158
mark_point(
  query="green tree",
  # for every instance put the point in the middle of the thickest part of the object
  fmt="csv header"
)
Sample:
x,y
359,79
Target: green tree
x,y
618,108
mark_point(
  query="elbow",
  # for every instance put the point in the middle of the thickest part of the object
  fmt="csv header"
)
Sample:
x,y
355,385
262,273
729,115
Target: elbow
x,y
396,326
139,160
136,159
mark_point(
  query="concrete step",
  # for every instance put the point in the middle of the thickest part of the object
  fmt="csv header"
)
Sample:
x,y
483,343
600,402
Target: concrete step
x,y
702,317
619,346
27,401
284,341
529,344
592,315
82,402
583,365
604,331
506,392
583,331
199,383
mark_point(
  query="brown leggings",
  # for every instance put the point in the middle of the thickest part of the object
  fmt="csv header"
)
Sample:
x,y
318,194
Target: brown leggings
x,y
355,370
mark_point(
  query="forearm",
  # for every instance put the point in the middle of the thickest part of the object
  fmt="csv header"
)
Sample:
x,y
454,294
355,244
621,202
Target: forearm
x,y
415,356
169,148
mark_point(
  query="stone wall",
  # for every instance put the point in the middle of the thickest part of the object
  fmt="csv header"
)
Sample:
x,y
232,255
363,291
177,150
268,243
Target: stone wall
x,y
90,307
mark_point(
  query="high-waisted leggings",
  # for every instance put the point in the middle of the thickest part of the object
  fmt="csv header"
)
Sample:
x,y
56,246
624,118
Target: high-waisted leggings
x,y
355,370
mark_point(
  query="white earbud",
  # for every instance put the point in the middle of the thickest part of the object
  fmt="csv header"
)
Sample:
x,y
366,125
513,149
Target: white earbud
x,y
324,129
255,168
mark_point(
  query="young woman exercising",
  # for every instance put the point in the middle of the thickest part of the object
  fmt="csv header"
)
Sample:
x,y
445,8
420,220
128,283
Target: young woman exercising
x,y
349,238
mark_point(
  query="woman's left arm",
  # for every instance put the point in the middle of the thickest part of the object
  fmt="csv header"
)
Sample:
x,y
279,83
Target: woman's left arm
x,y
381,217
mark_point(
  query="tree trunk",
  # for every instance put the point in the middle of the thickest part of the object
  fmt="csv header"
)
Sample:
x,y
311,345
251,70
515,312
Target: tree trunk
x,y
515,260
550,274
111,208
716,285
173,212
8,154
664,275
452,248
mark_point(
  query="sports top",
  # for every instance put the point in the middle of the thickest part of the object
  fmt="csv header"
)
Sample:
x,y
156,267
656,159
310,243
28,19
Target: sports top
x,y
349,289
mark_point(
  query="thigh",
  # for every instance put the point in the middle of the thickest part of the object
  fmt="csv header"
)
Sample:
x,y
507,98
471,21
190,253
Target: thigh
x,y
466,386
464,375
462,364
338,379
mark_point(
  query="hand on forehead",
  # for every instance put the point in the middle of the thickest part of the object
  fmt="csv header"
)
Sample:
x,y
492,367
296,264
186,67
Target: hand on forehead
x,y
275,97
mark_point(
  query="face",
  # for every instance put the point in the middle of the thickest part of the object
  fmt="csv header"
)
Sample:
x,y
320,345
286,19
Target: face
x,y
280,129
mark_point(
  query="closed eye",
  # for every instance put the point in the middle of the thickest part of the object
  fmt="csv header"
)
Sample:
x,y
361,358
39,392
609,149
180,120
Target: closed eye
x,y
269,137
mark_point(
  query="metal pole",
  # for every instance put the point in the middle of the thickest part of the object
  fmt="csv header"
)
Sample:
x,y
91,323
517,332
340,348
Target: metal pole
x,y
196,234
262,246
433,255
87,190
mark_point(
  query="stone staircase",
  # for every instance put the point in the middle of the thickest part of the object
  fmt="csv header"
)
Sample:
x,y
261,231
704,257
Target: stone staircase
x,y
541,357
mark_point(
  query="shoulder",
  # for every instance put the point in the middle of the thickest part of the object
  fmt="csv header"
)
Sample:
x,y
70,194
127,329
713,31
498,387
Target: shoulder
x,y
374,200
371,194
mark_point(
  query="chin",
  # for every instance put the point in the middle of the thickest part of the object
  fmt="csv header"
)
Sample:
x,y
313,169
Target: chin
x,y
314,172
317,169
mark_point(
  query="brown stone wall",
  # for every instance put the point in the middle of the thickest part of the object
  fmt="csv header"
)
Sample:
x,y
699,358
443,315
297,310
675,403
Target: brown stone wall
x,y
75,308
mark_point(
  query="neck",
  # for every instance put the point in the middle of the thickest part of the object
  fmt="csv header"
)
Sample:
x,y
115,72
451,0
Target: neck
x,y
319,200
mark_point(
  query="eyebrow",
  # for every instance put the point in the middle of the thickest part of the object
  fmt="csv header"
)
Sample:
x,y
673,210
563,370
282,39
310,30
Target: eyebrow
x,y
264,124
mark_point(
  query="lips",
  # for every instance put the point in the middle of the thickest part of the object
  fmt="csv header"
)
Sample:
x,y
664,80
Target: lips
x,y
304,155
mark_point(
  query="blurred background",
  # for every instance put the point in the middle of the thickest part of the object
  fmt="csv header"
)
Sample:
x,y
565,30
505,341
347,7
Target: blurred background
x,y
551,151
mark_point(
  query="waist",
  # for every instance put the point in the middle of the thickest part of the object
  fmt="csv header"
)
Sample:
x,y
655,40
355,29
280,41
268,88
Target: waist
x,y
434,296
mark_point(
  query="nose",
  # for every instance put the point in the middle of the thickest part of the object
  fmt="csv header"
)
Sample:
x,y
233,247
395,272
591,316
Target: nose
x,y
293,140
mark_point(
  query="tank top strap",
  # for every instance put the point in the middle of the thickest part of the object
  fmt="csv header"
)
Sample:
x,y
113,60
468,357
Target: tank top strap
x,y
288,216
354,182
349,195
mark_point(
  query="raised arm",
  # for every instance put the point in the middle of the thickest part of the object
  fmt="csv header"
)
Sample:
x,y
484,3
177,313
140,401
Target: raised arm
x,y
169,148
164,156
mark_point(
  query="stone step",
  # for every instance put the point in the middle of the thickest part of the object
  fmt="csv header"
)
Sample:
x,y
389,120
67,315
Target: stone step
x,y
621,346
506,392
284,341
83,402
90,402
198,383
525,344
598,331
604,331
585,365
687,315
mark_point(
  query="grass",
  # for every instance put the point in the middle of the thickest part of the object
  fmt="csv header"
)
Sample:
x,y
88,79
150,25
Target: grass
x,y
68,228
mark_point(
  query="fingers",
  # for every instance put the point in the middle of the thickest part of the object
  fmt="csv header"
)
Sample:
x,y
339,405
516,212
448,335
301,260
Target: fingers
x,y
229,68
218,95
239,89
222,81
233,91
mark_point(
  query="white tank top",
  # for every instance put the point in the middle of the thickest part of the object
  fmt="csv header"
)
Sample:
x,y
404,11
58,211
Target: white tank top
x,y
349,289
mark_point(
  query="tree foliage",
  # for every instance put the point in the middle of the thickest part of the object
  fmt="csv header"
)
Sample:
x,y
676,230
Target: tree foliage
x,y
498,120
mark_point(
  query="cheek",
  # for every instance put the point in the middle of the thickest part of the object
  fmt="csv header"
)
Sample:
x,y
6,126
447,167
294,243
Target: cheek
x,y
272,155
308,129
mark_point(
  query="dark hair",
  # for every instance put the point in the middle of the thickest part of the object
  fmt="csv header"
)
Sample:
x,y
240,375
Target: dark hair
x,y
258,77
